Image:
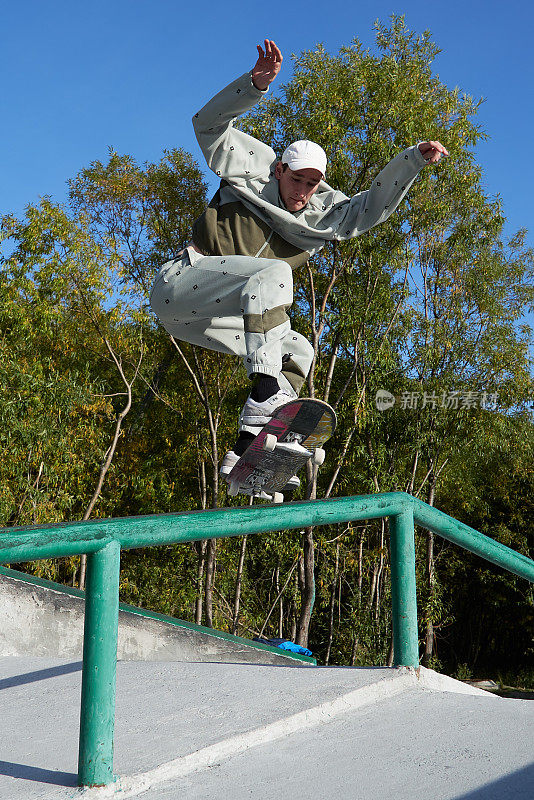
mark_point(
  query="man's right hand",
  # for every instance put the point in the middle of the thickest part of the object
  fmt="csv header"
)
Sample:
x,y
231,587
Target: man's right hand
x,y
267,66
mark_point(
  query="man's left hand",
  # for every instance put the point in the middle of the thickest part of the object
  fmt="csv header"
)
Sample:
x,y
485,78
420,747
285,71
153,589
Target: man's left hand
x,y
432,151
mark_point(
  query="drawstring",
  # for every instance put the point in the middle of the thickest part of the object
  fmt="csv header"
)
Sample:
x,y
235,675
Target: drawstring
x,y
262,248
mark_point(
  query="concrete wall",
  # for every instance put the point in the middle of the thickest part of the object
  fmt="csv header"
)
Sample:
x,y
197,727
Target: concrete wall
x,y
40,618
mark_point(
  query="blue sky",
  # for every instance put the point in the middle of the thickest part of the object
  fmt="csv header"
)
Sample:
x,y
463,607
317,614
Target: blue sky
x,y
79,78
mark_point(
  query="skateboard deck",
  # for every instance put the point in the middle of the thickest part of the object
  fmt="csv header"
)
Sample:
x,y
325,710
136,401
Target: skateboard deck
x,y
293,436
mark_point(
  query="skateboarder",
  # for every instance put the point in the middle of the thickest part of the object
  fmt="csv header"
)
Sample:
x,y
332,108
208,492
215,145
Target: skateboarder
x,y
231,288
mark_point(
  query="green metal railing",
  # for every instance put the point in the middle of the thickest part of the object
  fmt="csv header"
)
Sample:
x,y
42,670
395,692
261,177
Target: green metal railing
x,y
102,541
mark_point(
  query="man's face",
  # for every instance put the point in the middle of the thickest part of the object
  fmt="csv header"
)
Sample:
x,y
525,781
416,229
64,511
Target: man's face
x,y
297,187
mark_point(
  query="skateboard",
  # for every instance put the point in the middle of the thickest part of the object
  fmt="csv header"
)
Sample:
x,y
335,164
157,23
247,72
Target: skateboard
x,y
293,436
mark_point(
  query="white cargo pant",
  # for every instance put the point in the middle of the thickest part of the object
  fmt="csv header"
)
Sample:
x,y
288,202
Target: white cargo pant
x,y
237,305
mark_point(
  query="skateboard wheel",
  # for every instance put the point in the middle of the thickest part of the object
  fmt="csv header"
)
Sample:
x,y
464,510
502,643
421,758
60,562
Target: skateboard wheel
x,y
318,456
233,488
278,497
269,443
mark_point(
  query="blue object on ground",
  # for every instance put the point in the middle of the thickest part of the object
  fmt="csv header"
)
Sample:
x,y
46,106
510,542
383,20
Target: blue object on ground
x,y
284,644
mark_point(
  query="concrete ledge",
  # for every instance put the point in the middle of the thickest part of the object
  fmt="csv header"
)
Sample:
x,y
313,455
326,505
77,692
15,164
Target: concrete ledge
x,y
42,618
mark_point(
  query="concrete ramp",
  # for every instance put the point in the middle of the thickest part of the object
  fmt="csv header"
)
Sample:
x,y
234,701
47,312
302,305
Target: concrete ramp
x,y
41,618
241,731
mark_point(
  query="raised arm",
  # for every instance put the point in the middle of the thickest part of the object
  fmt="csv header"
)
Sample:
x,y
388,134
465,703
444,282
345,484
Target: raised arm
x,y
349,217
267,66
230,153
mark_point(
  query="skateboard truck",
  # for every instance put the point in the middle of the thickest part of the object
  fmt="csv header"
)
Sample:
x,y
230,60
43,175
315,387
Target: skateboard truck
x,y
271,443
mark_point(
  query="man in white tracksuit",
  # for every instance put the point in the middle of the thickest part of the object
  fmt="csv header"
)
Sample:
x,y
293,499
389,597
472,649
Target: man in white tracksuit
x,y
231,288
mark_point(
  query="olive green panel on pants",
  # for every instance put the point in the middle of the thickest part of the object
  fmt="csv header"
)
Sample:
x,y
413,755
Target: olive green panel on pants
x,y
261,323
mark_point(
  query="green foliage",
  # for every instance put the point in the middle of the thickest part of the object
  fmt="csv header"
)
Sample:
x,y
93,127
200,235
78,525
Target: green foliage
x,y
143,215
51,406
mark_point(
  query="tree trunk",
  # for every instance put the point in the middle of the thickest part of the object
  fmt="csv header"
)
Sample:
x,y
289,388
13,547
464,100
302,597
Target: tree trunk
x,y
307,588
280,601
372,590
429,632
211,550
200,547
431,578
360,567
210,577
332,608
355,644
293,607
201,550
380,574
238,581
281,617
307,566
293,631
391,654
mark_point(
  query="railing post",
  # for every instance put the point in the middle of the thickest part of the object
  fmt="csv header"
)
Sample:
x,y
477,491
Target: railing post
x,y
97,716
403,590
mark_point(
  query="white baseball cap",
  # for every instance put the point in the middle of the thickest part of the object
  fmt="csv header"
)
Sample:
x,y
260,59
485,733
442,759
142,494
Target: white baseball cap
x,y
305,155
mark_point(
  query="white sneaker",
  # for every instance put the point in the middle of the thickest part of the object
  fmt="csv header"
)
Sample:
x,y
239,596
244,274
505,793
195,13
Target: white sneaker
x,y
258,414
227,463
